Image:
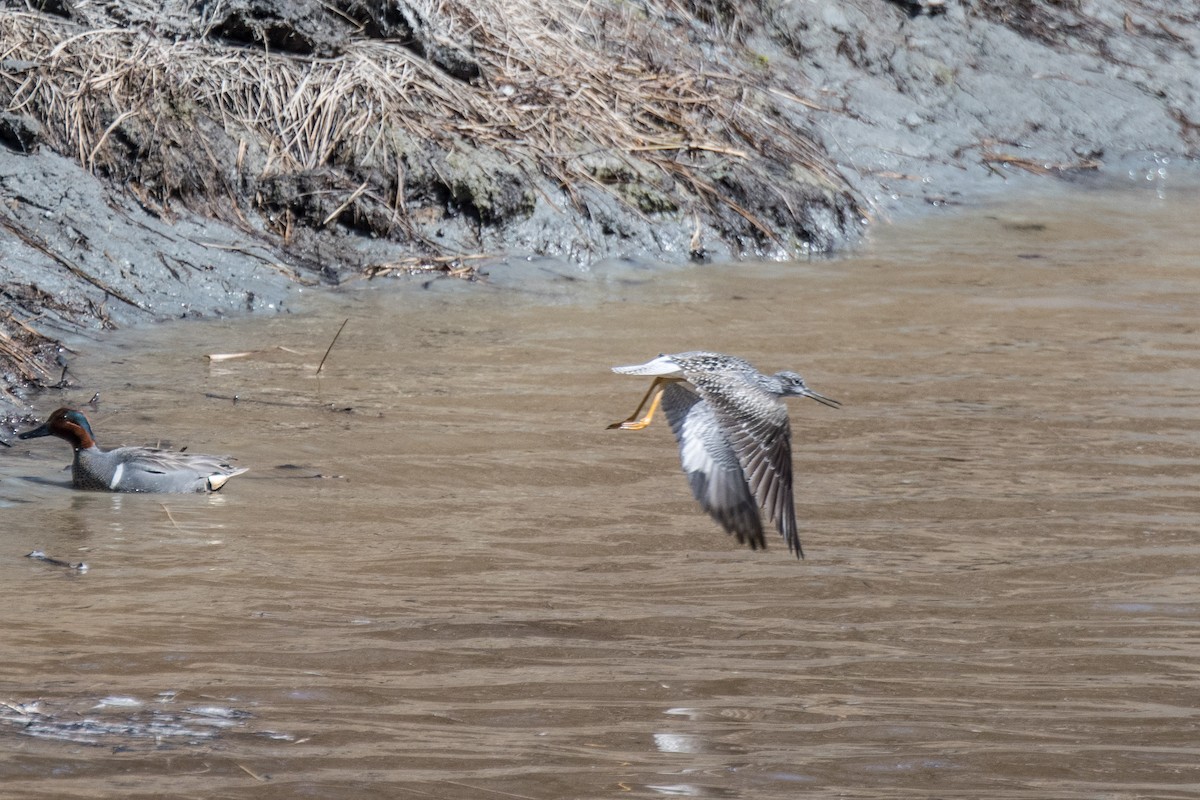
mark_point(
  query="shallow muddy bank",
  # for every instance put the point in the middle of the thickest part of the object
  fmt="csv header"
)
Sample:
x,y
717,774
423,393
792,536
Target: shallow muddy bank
x,y
766,130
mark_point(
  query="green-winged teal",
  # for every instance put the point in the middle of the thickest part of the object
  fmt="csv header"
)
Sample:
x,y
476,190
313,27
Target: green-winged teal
x,y
734,439
132,469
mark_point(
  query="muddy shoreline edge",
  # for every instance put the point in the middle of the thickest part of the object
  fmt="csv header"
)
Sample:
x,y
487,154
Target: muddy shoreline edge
x,y
666,133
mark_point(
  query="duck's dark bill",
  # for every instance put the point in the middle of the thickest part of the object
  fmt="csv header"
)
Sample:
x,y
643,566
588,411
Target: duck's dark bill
x,y
41,430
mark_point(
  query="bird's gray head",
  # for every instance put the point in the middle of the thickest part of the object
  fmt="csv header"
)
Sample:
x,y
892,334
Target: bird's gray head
x,y
792,385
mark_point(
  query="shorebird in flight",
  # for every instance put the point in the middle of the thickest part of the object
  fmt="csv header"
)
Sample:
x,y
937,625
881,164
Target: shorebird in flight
x,y
735,442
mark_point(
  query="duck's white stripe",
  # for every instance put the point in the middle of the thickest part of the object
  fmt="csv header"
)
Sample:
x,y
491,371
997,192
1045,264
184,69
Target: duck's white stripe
x,y
116,478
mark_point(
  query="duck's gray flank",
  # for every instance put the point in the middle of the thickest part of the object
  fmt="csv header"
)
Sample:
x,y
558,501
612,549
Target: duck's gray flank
x,y
132,469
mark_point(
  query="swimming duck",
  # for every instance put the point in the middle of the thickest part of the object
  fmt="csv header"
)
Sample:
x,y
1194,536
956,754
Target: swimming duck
x,y
132,469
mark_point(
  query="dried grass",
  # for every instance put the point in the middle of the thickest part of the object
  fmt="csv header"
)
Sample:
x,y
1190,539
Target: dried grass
x,y
25,353
563,80
469,268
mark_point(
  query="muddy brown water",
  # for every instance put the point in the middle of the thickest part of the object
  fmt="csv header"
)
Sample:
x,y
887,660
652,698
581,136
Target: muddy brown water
x,y
486,594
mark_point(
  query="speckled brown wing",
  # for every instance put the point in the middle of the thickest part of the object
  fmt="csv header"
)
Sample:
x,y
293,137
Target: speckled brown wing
x,y
755,423
713,468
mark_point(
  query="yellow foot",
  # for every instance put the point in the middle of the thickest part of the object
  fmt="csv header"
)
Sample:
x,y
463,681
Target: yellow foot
x,y
635,424
630,424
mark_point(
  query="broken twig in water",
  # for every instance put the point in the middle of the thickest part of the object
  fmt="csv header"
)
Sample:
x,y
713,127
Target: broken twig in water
x,y
331,344
170,516
233,398
255,775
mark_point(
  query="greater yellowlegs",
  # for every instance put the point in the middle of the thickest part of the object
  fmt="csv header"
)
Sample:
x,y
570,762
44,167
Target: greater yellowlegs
x,y
735,443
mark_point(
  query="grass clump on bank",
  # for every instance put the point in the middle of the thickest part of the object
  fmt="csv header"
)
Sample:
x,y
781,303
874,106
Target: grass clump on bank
x,y
392,138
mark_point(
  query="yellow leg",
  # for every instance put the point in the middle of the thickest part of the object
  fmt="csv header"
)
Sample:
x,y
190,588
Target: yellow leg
x,y
635,424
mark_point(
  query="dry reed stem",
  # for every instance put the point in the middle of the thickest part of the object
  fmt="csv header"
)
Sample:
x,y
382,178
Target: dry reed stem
x,y
1037,167
466,267
331,344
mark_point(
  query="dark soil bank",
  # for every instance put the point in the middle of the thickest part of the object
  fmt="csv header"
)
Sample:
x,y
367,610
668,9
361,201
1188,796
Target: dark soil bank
x,y
181,158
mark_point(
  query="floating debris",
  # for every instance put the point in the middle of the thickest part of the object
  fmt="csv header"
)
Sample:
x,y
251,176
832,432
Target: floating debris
x,y
121,722
78,566
117,701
